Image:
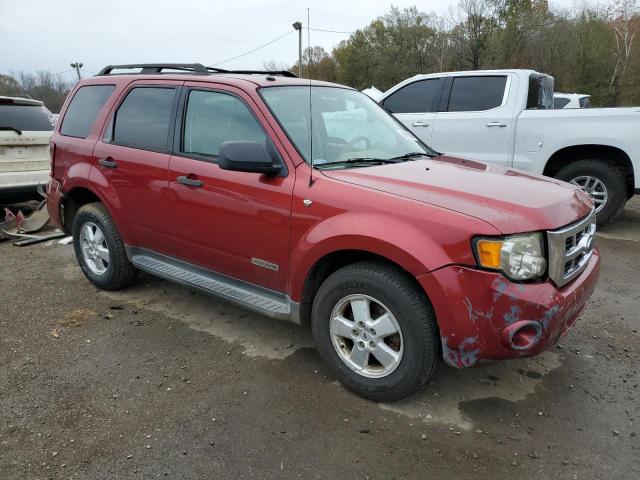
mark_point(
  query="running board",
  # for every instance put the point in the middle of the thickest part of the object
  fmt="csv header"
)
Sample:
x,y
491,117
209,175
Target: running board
x,y
252,297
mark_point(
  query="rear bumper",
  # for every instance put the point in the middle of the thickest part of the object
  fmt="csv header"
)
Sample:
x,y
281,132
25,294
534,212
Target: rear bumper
x,y
484,317
26,179
54,202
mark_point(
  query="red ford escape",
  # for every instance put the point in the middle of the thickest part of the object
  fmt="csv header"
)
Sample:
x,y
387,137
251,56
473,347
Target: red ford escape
x,y
306,201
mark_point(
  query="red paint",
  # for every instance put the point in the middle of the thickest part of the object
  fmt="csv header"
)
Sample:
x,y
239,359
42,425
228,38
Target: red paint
x,y
420,215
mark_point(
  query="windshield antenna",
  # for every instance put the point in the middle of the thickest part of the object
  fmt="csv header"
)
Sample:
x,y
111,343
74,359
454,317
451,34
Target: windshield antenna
x,y
310,109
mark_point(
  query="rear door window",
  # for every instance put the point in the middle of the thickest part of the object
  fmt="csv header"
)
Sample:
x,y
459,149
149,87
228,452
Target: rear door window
x,y
83,110
417,97
143,118
474,94
213,118
26,118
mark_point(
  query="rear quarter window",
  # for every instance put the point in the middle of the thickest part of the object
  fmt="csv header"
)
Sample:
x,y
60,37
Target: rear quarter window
x,y
26,118
83,110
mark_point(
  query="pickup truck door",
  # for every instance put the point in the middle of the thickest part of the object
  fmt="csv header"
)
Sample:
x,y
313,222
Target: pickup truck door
x,y
475,118
232,223
414,104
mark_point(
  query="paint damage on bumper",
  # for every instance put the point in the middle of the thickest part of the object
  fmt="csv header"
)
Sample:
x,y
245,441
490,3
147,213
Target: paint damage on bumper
x,y
483,317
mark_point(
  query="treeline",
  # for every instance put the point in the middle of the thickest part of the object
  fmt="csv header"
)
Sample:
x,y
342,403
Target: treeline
x,y
44,86
591,49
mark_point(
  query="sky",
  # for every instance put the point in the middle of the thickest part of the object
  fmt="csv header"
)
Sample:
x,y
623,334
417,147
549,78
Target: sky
x,y
50,34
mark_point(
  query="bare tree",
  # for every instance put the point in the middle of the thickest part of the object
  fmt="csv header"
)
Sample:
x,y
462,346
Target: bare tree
x,y
624,22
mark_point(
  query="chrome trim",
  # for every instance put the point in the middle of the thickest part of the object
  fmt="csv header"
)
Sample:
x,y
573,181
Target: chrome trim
x,y
570,249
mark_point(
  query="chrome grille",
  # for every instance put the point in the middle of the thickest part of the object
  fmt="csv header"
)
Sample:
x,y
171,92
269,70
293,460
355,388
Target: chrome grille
x,y
570,249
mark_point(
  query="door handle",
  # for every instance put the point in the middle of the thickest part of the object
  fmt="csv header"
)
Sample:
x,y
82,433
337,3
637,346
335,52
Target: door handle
x,y
419,124
495,124
108,162
190,182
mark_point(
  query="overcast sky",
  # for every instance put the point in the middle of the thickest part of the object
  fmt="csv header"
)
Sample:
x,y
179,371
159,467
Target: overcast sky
x,y
50,34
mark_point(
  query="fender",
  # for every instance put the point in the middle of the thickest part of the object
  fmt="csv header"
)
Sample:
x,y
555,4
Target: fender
x,y
413,249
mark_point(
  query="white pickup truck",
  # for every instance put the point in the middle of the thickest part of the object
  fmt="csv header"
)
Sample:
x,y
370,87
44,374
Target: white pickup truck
x,y
507,117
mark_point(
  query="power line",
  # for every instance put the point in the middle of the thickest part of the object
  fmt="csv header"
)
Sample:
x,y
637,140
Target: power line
x,y
327,31
255,49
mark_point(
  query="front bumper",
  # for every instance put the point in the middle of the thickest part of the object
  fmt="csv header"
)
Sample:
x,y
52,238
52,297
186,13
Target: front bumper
x,y
482,316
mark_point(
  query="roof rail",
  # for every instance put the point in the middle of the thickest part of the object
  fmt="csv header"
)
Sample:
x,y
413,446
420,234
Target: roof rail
x,y
195,68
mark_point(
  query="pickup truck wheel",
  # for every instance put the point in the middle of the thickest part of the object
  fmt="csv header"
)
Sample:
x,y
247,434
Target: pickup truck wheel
x,y
604,184
376,330
99,248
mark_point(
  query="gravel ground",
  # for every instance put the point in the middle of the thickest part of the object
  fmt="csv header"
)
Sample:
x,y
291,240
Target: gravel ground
x,y
161,382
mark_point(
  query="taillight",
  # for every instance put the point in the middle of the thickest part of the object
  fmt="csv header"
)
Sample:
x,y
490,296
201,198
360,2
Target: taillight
x,y
52,157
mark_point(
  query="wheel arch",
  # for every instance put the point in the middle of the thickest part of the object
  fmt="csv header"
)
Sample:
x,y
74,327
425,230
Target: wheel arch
x,y
332,262
613,156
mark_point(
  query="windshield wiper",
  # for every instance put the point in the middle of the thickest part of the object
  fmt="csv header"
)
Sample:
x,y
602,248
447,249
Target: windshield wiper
x,y
359,160
19,132
411,155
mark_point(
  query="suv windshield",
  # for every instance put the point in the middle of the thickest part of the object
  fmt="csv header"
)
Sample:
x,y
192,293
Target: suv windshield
x,y
347,126
26,118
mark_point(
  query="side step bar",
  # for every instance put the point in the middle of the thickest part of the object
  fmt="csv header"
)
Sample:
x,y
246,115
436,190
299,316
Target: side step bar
x,y
252,297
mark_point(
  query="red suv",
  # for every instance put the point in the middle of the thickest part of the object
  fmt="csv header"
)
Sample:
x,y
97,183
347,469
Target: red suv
x,y
306,201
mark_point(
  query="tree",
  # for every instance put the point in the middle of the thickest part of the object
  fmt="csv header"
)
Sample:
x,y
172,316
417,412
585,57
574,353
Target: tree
x,y
623,18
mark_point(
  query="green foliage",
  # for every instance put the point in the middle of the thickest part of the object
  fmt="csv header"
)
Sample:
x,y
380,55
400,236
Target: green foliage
x,y
583,49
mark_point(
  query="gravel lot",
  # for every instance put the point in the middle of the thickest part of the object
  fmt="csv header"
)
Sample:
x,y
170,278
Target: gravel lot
x,y
161,382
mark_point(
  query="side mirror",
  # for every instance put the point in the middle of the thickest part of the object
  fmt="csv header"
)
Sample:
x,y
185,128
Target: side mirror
x,y
244,156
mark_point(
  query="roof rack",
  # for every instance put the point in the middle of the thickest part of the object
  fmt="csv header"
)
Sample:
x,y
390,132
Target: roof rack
x,y
194,68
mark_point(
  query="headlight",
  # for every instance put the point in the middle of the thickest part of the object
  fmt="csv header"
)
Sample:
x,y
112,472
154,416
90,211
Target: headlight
x,y
519,257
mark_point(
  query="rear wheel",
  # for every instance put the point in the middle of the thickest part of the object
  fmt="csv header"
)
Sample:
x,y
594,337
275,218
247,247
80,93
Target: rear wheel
x,y
376,330
602,182
99,248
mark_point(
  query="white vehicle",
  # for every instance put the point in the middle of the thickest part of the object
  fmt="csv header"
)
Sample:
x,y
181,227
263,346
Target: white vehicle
x,y
571,100
507,117
25,129
372,92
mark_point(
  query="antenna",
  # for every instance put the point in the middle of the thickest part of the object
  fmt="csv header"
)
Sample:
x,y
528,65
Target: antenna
x,y
310,103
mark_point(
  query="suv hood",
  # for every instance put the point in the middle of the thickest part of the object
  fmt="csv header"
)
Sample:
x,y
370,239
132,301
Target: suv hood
x,y
510,200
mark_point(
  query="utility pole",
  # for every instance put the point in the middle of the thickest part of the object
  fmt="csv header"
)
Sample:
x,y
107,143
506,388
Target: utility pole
x,y
298,27
77,66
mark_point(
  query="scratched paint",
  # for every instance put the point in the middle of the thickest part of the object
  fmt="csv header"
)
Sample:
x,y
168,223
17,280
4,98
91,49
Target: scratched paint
x,y
461,357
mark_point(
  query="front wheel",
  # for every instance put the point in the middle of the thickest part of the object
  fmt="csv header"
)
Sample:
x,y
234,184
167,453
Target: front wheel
x,y
602,182
376,330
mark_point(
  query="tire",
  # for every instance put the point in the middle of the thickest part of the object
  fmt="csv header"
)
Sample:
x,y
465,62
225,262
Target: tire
x,y
610,177
117,272
416,346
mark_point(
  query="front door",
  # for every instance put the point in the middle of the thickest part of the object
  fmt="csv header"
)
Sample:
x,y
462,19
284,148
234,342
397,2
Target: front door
x,y
415,105
233,223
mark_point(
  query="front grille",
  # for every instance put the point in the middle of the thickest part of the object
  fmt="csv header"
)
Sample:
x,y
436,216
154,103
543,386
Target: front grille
x,y
570,249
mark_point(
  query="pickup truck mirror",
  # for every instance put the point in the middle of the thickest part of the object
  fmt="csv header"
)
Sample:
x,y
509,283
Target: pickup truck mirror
x,y
242,156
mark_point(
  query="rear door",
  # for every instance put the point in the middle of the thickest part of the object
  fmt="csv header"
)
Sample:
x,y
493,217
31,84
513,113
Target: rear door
x,y
475,119
415,104
25,129
132,160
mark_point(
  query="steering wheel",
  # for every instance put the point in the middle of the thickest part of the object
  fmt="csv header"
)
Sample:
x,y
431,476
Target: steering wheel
x,y
359,139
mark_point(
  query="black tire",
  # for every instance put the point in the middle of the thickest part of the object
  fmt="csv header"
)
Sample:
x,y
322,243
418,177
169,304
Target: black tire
x,y
120,272
610,176
414,315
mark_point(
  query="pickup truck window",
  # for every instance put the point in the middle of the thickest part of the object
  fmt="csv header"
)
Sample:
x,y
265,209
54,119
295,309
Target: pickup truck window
x,y
142,120
213,118
83,110
346,125
560,102
417,97
474,94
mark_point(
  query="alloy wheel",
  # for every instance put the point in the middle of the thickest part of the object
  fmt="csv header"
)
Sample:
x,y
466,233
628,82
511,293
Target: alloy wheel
x,y
595,188
366,336
95,250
